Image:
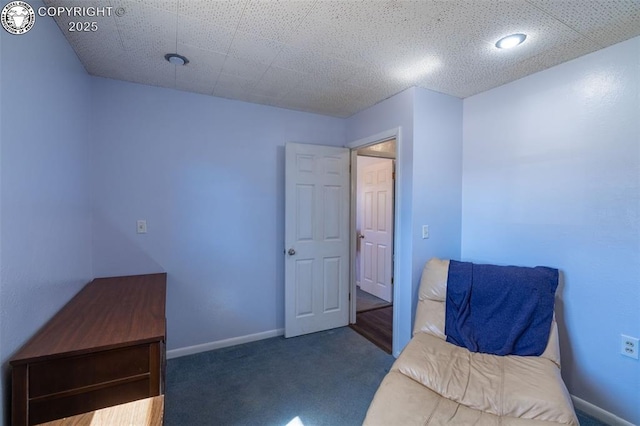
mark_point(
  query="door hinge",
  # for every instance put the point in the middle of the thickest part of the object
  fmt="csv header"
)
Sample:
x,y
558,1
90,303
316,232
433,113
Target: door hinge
x,y
349,296
393,175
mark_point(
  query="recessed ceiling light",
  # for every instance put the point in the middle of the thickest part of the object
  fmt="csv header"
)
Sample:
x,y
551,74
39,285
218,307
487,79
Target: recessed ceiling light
x,y
176,59
510,41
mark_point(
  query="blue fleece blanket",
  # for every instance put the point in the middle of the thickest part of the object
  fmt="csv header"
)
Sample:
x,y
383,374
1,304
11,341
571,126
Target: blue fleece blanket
x,y
500,310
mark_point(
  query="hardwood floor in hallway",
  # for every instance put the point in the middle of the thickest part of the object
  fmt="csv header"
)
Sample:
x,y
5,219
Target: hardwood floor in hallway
x,y
377,326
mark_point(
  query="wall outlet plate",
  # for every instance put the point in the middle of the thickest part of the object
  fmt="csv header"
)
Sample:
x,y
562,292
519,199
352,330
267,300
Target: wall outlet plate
x,y
629,346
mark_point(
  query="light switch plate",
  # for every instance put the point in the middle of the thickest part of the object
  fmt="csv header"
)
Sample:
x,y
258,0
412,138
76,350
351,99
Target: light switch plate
x,y
425,231
141,227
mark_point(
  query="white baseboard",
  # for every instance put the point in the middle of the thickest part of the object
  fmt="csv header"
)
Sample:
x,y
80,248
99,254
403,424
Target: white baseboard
x,y
190,350
599,413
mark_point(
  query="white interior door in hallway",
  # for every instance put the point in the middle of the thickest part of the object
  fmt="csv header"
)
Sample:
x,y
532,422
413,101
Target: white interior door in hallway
x,y
375,208
317,193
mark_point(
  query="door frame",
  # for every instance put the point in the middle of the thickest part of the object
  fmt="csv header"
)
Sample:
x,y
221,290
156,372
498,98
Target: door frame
x,y
396,134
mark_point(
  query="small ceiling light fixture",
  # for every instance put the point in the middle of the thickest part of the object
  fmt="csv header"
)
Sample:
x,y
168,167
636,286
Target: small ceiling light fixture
x,y
176,59
510,41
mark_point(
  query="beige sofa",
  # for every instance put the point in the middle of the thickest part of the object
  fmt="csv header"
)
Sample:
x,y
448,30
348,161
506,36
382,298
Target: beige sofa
x,y
437,383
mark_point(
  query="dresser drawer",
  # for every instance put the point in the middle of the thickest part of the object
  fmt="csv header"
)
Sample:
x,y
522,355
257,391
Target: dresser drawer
x,y
66,405
59,375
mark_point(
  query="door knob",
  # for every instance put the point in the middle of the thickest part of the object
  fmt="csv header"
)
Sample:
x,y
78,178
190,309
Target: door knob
x,y
291,252
361,236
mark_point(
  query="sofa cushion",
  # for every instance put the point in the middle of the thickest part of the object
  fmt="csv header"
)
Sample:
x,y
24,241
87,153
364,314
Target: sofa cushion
x,y
431,308
430,314
402,401
504,386
433,283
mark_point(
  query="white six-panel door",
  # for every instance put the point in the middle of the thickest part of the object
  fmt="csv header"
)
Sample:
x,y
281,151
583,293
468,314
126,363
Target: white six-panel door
x,y
316,238
376,245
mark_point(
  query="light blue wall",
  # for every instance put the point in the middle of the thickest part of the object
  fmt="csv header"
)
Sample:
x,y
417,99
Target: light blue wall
x,y
208,176
45,216
431,182
551,176
397,111
437,179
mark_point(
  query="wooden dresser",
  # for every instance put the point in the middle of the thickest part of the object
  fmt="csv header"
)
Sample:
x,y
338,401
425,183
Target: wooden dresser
x,y
143,412
105,347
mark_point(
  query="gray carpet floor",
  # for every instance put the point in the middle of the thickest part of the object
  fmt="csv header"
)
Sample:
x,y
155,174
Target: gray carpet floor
x,y
367,301
325,378
586,420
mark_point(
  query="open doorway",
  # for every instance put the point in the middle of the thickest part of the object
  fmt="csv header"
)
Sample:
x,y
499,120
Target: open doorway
x,y
374,253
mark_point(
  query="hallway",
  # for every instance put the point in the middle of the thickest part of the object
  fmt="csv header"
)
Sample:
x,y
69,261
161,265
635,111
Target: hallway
x,y
374,319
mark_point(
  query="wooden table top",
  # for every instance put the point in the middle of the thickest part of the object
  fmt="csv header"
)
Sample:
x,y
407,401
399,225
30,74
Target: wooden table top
x,y
106,313
144,412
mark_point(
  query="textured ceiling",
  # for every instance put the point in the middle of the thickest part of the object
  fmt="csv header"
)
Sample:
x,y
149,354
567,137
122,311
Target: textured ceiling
x,y
339,57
